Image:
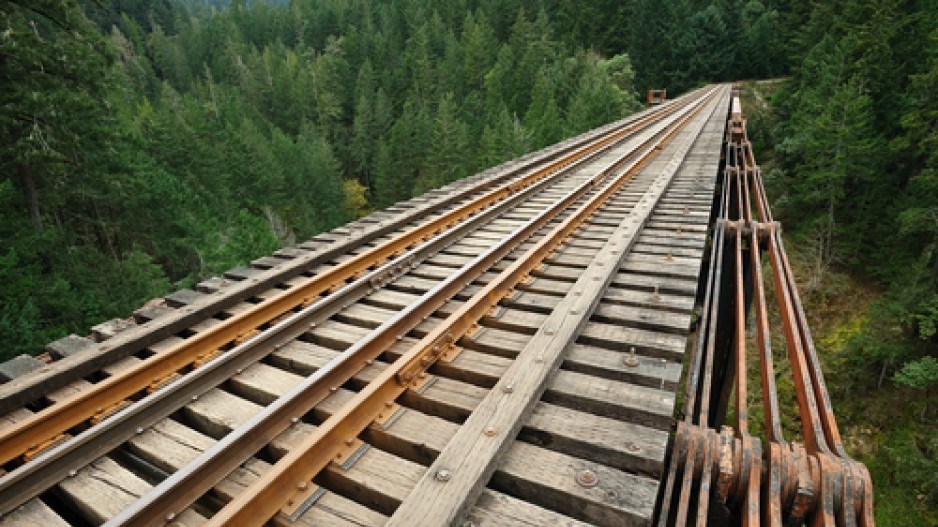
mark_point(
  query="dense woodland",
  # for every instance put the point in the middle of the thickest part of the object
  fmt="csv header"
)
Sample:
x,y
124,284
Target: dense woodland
x,y
147,144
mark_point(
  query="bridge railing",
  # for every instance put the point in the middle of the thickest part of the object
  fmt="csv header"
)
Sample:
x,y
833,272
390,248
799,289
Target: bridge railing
x,y
721,472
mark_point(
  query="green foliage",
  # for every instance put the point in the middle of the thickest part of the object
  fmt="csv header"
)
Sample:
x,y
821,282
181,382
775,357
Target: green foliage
x,y
920,374
914,462
156,143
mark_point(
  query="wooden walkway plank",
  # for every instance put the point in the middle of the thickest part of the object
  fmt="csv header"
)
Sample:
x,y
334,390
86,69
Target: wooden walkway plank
x,y
548,479
494,509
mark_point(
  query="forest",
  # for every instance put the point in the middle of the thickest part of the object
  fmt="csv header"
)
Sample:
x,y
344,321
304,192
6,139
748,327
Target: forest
x,y
145,145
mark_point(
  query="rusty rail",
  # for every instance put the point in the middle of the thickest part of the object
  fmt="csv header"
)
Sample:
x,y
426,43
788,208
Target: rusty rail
x,y
288,486
724,475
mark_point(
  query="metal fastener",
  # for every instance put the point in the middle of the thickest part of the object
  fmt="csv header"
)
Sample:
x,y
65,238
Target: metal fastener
x,y
631,360
508,388
587,478
443,475
490,431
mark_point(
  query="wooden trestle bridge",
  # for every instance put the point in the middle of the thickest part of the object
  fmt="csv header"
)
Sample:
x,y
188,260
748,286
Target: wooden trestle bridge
x,y
506,350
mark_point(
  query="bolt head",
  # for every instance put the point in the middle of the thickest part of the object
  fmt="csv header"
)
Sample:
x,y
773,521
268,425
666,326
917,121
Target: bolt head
x,y
443,475
587,478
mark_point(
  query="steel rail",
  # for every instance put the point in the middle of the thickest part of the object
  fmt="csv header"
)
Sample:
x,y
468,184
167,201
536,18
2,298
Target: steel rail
x,y
266,496
79,408
53,465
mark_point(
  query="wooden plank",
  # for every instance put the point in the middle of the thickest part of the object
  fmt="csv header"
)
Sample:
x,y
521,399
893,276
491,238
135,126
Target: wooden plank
x,y
643,317
495,509
614,399
33,513
104,488
650,343
611,364
548,479
617,444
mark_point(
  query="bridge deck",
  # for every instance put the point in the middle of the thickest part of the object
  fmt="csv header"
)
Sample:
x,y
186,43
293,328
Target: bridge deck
x,y
555,409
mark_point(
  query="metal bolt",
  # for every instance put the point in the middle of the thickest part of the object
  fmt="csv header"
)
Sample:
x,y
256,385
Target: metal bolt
x,y
170,516
508,388
303,486
294,420
349,441
490,431
334,389
72,473
443,475
389,404
195,397
312,325
139,430
369,362
587,478
631,361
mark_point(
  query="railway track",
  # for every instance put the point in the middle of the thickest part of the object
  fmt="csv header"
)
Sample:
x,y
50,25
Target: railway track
x,y
505,350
